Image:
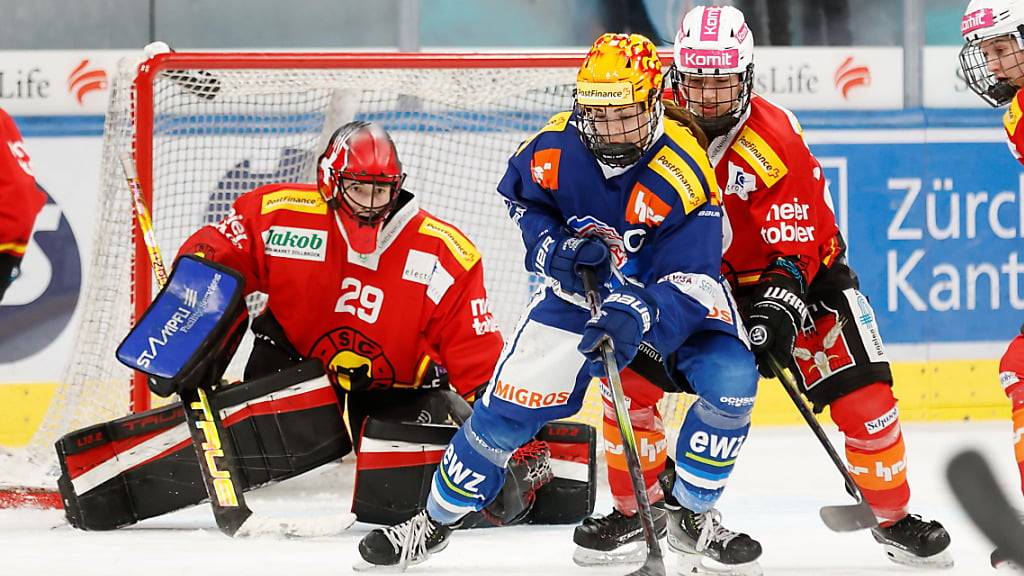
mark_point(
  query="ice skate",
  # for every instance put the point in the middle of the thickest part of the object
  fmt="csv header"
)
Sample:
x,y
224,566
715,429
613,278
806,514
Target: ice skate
x,y
914,542
704,546
1002,562
402,545
615,538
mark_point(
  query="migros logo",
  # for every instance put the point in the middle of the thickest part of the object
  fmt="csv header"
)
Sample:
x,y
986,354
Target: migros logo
x,y
529,398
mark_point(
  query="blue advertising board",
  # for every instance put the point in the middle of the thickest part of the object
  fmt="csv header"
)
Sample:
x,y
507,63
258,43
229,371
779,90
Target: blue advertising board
x,y
935,232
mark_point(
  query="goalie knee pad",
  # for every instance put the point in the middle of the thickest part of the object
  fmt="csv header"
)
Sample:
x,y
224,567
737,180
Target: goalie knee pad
x,y
874,448
144,465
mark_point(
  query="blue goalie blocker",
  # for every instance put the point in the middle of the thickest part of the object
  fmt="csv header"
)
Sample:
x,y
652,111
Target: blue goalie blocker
x,y
189,333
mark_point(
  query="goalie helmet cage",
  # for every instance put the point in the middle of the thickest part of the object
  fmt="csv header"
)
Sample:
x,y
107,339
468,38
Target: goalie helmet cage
x,y
204,128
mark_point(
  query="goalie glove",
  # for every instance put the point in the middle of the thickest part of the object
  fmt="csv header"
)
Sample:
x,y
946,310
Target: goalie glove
x,y
528,470
777,313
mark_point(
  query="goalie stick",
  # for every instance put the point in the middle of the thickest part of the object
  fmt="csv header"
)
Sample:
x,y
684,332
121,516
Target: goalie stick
x,y
975,486
654,564
839,518
214,447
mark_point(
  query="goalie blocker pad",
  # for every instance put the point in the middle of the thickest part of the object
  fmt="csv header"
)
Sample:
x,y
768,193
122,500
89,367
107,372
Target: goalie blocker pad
x,y
191,329
396,464
143,465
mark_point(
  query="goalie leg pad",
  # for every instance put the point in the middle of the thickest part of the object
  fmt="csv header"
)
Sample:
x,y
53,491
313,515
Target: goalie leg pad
x,y
140,466
397,461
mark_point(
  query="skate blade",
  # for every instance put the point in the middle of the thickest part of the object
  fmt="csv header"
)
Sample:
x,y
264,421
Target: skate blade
x,y
364,566
698,564
630,553
941,560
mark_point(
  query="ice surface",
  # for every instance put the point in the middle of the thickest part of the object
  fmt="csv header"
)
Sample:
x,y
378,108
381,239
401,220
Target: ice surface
x,y
781,480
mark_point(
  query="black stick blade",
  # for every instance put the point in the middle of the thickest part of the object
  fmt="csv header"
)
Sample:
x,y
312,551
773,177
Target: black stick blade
x,y
978,492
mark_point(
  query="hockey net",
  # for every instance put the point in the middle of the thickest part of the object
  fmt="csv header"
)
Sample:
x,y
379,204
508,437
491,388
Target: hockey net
x,y
205,128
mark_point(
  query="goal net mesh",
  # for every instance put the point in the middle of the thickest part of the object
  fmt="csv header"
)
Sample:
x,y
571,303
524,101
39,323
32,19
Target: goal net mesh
x,y
218,132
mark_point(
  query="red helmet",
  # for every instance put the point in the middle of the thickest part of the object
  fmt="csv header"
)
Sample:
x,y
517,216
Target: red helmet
x,y
360,152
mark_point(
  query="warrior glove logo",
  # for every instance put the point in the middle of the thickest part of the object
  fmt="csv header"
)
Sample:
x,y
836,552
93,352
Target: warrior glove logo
x,y
758,335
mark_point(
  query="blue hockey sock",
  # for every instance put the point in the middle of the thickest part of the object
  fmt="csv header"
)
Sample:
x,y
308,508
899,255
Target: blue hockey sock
x,y
709,442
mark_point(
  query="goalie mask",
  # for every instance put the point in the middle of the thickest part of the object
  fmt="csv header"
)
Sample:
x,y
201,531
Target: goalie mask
x,y
617,98
359,175
713,68
992,59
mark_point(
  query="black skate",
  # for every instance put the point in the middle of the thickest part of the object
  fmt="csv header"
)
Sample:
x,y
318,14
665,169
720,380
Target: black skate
x,y
705,546
410,542
914,542
615,538
1001,561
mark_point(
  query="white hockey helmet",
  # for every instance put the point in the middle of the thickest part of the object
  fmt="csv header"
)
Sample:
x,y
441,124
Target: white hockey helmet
x,y
715,41
993,71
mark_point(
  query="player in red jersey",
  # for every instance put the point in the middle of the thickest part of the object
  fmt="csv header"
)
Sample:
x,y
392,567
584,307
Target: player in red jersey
x,y
786,261
359,276
20,201
992,61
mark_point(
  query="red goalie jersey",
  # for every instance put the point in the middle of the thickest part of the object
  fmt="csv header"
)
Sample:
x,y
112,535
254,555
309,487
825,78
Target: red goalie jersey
x,y
20,199
418,297
775,196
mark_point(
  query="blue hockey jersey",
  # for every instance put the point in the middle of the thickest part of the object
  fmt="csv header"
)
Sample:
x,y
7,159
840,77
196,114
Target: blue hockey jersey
x,y
660,218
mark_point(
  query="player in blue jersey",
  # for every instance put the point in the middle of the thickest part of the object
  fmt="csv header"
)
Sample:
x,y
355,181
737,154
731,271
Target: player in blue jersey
x,y
613,186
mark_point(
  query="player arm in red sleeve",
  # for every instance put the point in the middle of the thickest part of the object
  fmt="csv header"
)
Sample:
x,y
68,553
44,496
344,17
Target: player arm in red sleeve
x,y
20,201
796,222
464,333
232,242
1013,126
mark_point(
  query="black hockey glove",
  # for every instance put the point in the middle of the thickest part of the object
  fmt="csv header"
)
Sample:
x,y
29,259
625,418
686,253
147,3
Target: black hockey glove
x,y
8,271
776,315
559,256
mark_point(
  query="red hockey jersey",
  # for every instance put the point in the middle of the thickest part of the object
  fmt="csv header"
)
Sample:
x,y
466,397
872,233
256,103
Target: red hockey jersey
x,y
776,199
20,199
419,296
1014,131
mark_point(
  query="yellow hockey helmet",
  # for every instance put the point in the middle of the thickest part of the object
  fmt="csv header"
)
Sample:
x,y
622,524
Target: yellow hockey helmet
x,y
618,97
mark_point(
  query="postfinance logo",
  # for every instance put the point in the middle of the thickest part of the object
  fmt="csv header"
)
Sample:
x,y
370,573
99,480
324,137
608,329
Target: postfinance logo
x,y
677,172
306,201
760,156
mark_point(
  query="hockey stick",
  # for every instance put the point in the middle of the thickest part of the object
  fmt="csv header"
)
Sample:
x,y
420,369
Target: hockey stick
x,y
654,565
214,447
840,518
209,437
975,486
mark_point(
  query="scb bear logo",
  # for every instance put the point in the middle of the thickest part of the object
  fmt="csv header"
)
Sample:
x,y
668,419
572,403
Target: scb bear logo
x,y
39,304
